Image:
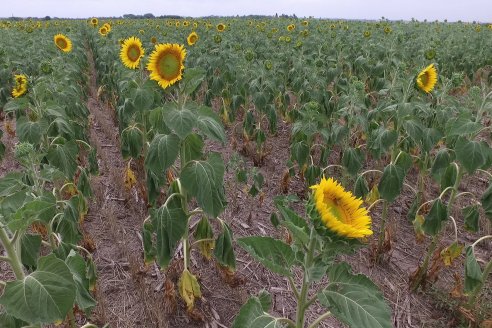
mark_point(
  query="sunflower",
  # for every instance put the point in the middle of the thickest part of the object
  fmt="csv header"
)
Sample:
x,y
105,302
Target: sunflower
x,y
427,78
166,64
388,30
153,40
291,27
63,43
20,85
108,27
192,38
340,211
178,24
305,23
186,23
131,52
103,30
220,27
367,33
94,21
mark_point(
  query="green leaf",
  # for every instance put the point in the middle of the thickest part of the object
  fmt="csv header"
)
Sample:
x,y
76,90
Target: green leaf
x,y
224,252
391,182
248,313
449,177
433,221
77,266
180,121
162,153
8,321
209,124
201,180
352,160
44,296
170,224
300,152
132,141
42,208
361,188
461,126
272,253
30,245
192,147
404,161
158,121
296,224
469,153
355,299
63,155
28,131
486,201
149,248
192,78
441,163
203,235
11,183
473,273
471,216
84,185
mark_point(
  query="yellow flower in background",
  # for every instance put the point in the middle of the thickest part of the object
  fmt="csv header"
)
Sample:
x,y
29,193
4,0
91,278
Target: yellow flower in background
x,y
367,34
166,64
94,21
107,26
220,27
153,40
63,43
305,23
103,31
186,23
20,85
192,38
178,24
131,52
291,27
427,78
340,211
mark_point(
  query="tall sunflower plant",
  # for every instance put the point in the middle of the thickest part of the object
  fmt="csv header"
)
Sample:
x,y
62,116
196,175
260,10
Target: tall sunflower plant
x,y
171,139
336,223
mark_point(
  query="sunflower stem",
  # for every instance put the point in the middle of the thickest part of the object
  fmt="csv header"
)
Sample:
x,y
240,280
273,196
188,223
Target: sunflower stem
x,y
301,303
15,261
382,233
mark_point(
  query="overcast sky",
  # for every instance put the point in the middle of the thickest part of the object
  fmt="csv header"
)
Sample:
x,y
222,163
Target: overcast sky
x,y
453,10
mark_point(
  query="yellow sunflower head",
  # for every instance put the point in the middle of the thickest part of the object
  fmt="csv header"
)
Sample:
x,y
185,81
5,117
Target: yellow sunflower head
x,y
221,27
178,24
186,23
427,78
166,64
291,27
20,87
103,31
192,38
195,25
108,27
94,21
367,33
131,52
305,23
340,211
63,43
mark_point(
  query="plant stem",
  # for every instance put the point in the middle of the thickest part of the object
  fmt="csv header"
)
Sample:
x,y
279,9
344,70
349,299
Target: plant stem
x,y
15,261
319,319
473,296
294,288
382,233
301,308
287,321
423,270
71,319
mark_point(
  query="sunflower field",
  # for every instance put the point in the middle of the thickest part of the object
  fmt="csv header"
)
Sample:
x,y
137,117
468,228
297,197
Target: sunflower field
x,y
245,173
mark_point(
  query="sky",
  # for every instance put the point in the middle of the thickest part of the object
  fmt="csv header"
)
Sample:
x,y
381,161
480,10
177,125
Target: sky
x,y
452,10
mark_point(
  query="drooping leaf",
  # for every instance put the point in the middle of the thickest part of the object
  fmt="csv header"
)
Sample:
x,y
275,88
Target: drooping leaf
x,y
63,155
189,289
203,236
163,151
181,121
77,266
224,252
433,221
473,273
471,216
469,153
132,141
170,224
352,160
391,182
30,245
